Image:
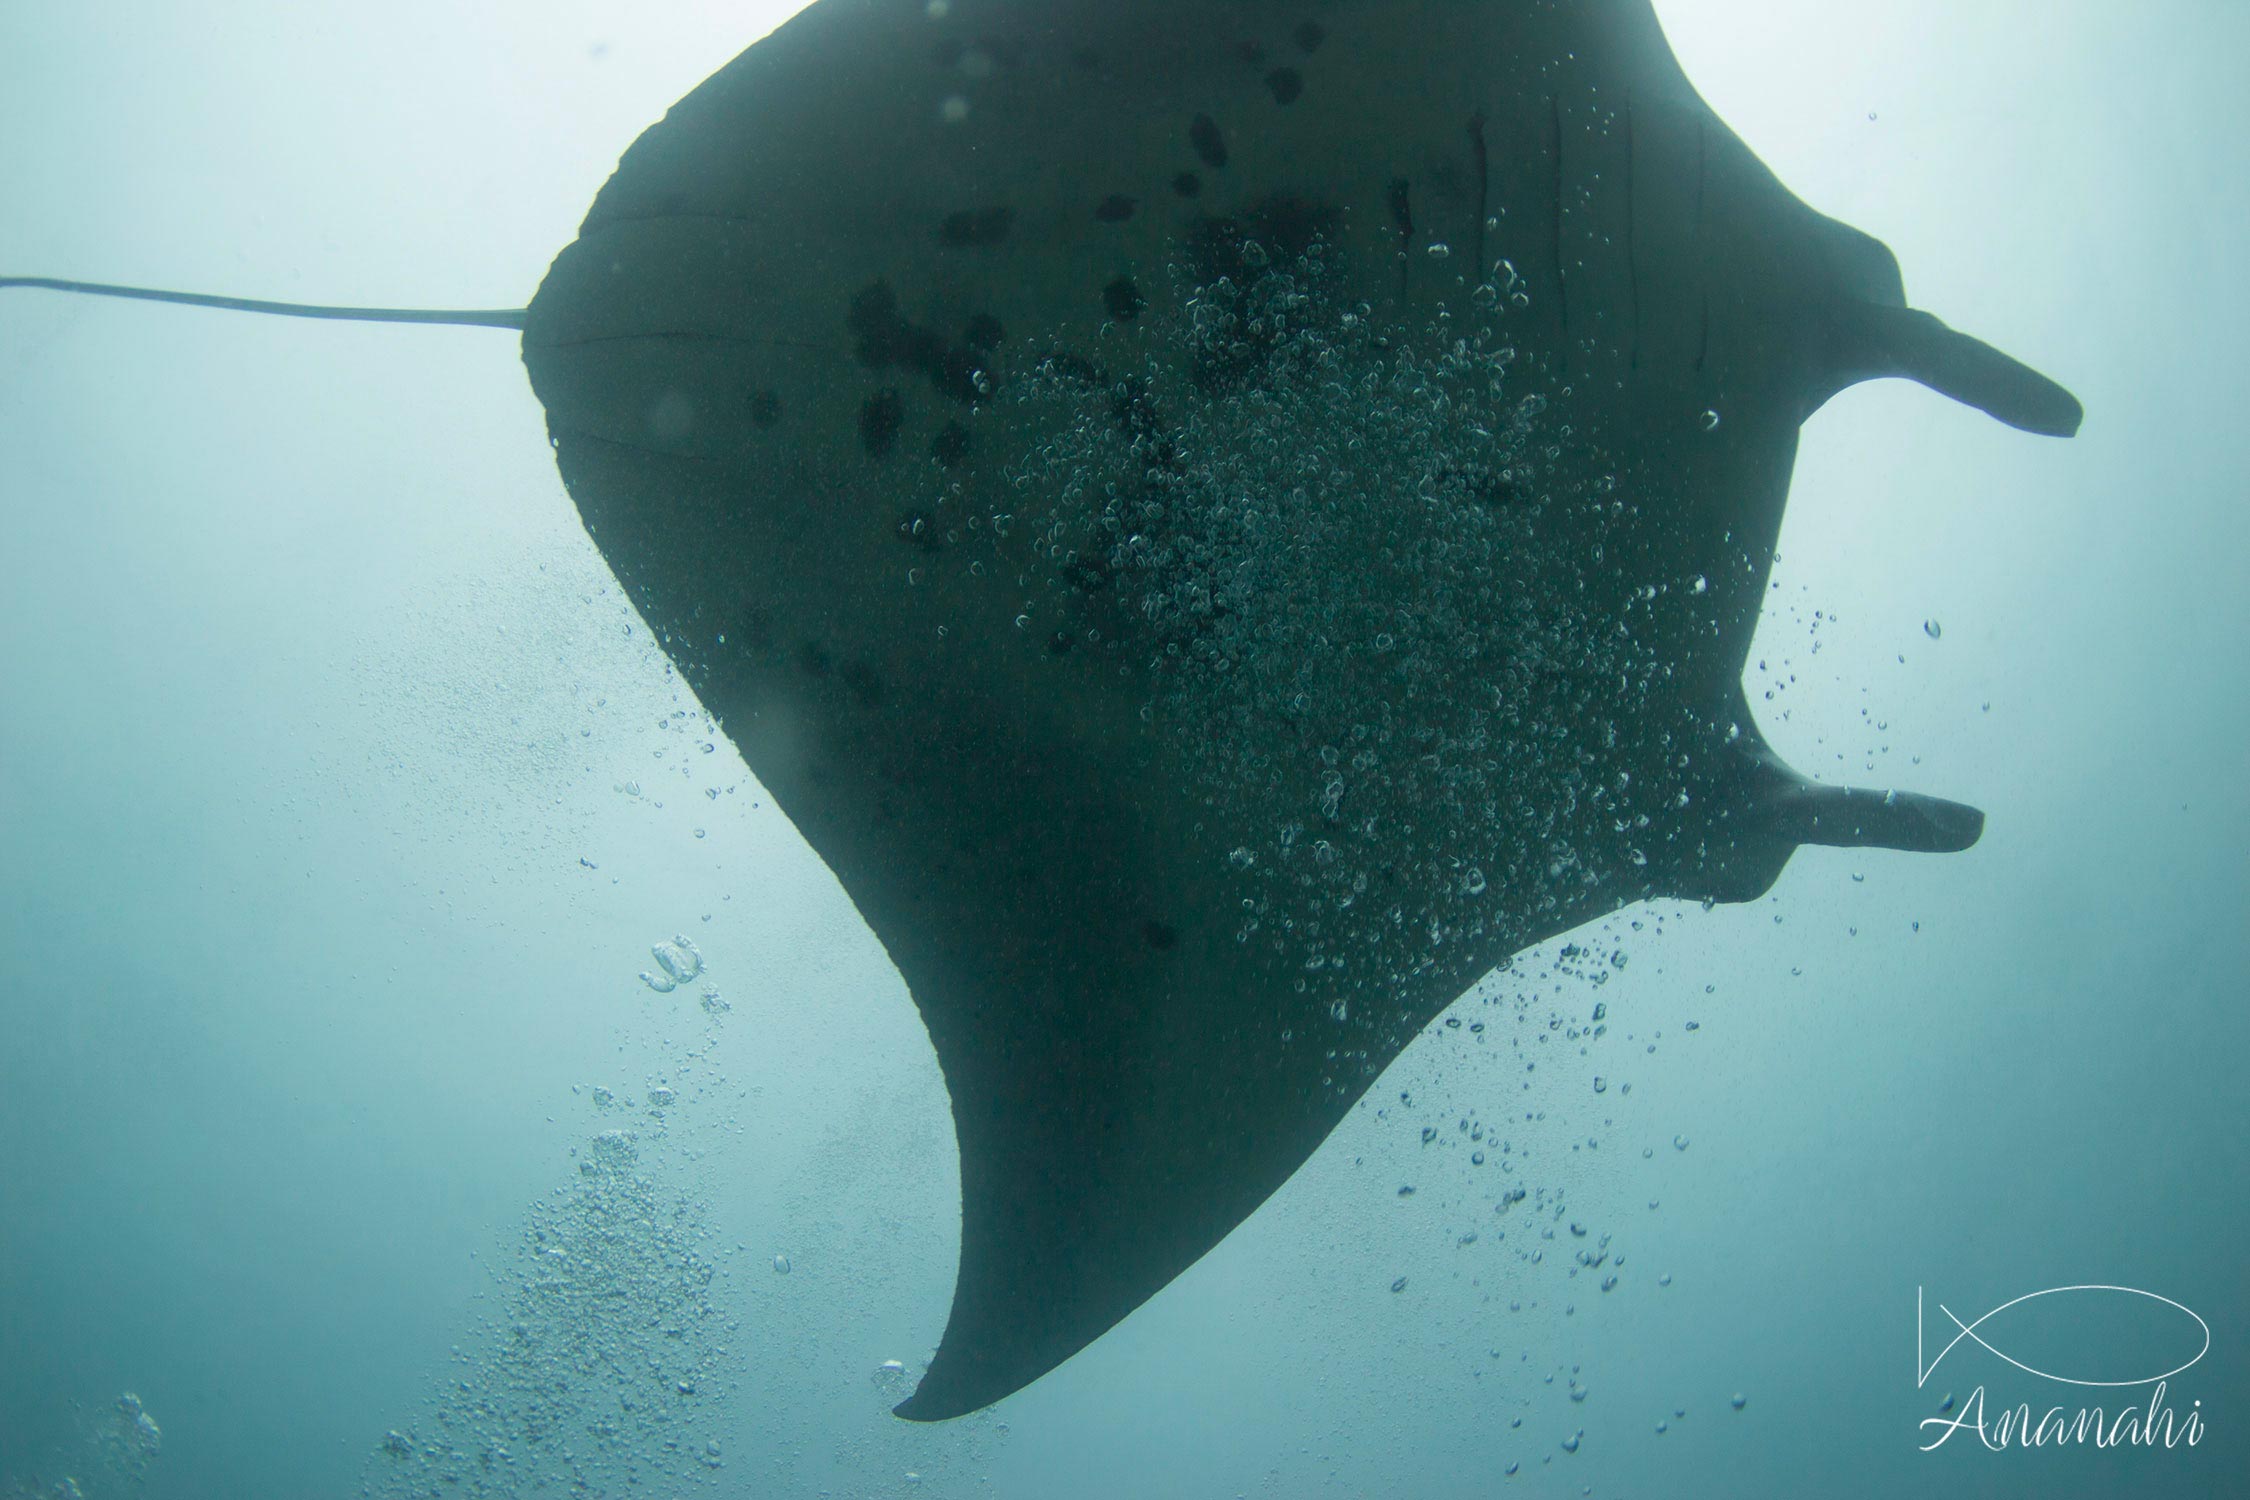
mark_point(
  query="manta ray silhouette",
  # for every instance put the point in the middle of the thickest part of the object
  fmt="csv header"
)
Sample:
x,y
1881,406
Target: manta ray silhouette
x,y
1220,522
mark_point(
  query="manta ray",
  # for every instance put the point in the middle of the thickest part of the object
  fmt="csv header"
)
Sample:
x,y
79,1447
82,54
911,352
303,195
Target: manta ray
x,y
1220,523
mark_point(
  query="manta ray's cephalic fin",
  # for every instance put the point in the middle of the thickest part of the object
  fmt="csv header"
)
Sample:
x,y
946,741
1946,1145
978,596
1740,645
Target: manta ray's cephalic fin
x,y
1871,341
1770,810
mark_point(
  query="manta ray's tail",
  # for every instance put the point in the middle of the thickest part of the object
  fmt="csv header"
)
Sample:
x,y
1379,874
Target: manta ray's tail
x,y
502,317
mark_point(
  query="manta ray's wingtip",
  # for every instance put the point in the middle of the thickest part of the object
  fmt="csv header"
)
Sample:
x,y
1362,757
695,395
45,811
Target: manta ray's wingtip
x,y
912,1410
942,1400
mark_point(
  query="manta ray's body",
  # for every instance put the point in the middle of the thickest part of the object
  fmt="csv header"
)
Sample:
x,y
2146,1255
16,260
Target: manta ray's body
x,y
1195,727
1220,522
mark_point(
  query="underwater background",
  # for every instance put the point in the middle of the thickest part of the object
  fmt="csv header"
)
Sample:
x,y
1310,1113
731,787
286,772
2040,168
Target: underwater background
x,y
345,1122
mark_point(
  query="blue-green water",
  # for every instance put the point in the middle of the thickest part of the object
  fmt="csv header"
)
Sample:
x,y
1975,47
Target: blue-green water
x,y
342,799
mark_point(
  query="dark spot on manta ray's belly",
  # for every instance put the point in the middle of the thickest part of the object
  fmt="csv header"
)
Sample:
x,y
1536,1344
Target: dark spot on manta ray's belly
x,y
813,659
885,339
1122,300
1487,487
1251,53
1159,936
880,417
951,446
865,683
984,333
976,226
754,629
1286,83
1088,573
1115,209
1497,489
1308,36
1187,184
979,58
1210,146
765,408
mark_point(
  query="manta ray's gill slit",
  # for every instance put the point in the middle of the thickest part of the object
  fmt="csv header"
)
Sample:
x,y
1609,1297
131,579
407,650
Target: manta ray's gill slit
x,y
1556,195
1702,172
1632,236
1480,168
1400,196
1209,143
976,227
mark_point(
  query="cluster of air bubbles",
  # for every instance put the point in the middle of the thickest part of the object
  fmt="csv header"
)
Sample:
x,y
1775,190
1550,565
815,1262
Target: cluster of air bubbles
x,y
603,1370
677,962
115,1448
1364,582
680,963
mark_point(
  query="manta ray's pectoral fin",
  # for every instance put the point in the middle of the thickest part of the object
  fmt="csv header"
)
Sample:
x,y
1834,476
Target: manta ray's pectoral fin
x,y
1872,341
1769,811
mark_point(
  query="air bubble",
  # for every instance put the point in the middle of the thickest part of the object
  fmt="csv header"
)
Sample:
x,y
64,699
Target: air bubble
x,y
680,960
